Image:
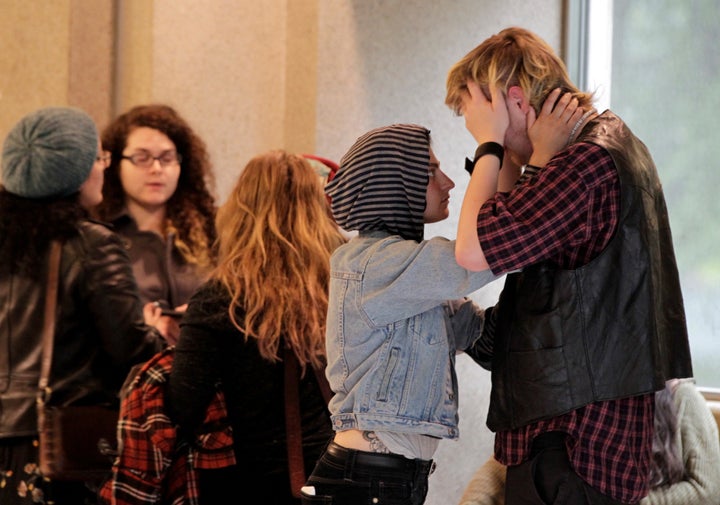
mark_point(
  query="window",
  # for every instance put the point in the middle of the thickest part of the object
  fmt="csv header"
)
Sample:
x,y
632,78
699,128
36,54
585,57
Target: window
x,y
655,63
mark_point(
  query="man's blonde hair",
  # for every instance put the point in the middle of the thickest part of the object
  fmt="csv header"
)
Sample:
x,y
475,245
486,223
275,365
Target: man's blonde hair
x,y
513,57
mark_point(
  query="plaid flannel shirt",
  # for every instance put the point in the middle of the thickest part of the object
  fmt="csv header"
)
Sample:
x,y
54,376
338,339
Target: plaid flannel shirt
x,y
568,212
152,466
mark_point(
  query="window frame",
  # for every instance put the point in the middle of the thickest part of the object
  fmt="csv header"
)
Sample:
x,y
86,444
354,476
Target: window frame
x,y
587,30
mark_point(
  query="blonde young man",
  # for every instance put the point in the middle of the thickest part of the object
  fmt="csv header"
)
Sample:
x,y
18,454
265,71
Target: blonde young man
x,y
591,320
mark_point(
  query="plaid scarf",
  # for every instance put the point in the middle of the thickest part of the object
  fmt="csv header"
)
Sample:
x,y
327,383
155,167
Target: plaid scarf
x,y
152,466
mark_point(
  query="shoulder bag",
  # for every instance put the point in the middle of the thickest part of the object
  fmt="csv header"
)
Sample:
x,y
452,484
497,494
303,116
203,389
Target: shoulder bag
x,y
76,441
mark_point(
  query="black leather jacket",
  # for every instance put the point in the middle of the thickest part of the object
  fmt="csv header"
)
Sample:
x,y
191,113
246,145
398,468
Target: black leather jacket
x,y
160,269
99,332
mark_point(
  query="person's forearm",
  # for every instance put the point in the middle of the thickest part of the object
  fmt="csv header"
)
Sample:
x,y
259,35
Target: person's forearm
x,y
487,121
482,186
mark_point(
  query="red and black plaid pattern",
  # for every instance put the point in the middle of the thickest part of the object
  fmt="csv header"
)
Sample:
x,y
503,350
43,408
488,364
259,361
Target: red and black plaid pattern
x,y
152,466
567,213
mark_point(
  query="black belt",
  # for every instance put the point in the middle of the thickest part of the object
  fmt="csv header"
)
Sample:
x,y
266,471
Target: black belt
x,y
374,460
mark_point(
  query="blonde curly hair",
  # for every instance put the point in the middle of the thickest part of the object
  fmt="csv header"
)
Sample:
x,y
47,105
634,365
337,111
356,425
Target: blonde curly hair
x,y
275,238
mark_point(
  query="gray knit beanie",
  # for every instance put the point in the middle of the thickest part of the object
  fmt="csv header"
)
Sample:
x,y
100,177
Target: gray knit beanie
x,y
49,153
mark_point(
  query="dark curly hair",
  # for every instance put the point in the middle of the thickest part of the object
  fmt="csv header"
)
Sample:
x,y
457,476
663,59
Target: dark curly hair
x,y
191,209
28,225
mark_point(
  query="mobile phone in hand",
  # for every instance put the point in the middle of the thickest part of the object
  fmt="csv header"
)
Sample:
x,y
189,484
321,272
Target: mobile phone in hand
x,y
167,310
172,313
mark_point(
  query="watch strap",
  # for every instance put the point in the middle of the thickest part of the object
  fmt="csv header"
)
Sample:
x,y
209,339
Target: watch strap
x,y
485,148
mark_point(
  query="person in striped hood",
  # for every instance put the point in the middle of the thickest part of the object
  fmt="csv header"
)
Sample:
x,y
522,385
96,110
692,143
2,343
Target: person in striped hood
x,y
392,332
396,318
397,315
384,180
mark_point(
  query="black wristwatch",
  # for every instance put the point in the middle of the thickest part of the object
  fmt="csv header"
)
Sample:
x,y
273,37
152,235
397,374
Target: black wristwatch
x,y
485,148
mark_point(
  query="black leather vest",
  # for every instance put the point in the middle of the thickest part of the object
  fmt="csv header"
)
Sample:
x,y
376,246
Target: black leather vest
x,y
612,328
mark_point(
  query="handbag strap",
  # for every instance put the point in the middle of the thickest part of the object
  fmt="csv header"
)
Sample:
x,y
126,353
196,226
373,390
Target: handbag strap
x,y
293,426
323,383
48,331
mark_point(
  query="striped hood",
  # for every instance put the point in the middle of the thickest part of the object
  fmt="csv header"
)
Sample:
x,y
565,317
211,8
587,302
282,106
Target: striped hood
x,y
382,182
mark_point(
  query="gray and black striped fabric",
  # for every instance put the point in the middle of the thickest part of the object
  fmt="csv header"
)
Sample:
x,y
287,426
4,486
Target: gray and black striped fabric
x,y
382,182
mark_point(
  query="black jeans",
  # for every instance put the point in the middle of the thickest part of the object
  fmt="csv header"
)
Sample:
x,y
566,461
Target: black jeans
x,y
547,478
350,477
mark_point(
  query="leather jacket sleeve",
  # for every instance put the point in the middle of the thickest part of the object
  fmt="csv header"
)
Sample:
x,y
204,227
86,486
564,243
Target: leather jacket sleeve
x,y
99,332
481,351
104,307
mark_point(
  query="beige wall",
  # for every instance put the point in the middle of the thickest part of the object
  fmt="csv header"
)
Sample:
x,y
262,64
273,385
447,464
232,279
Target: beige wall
x,y
55,52
306,75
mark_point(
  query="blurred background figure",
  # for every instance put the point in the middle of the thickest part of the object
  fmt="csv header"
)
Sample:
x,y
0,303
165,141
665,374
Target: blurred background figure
x,y
157,196
686,448
326,170
324,167
685,468
263,307
52,173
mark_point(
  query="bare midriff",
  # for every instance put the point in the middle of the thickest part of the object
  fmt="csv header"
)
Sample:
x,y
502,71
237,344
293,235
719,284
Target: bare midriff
x,y
353,439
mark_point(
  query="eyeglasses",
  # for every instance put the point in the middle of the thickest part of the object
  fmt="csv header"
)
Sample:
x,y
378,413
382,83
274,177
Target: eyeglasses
x,y
104,158
146,160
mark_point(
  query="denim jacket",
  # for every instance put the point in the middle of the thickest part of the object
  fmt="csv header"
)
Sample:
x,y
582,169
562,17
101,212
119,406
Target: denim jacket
x,y
396,318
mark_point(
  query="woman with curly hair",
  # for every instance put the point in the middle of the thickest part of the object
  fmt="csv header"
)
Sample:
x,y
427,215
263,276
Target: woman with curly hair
x,y
263,306
156,196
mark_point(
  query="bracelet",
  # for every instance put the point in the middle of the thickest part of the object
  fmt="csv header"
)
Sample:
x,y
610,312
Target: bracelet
x,y
485,148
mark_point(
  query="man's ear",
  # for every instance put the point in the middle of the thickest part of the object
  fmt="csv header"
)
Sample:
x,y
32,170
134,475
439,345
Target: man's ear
x,y
516,98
